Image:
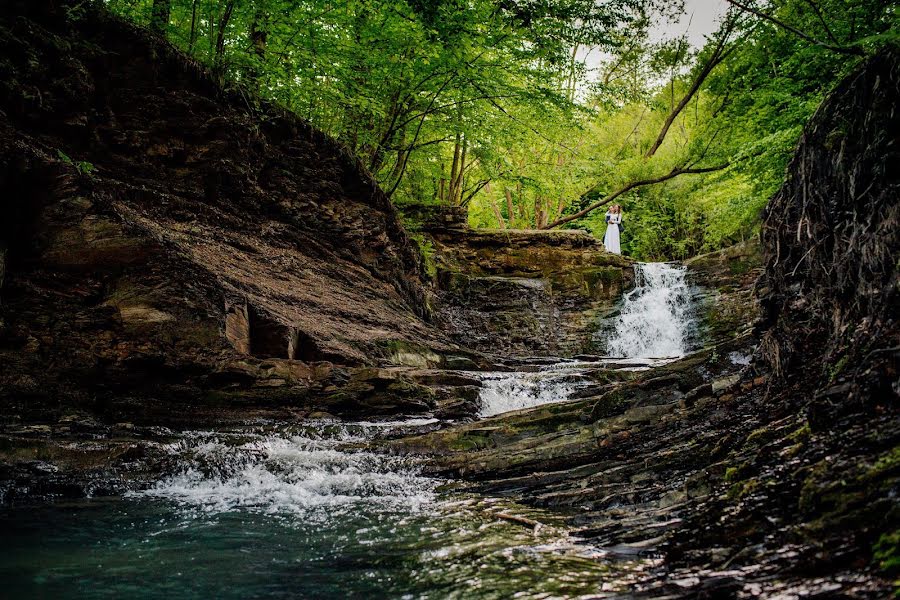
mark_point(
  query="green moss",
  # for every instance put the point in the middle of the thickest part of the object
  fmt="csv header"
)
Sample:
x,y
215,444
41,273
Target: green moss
x,y
742,488
811,489
761,436
427,252
837,368
887,464
411,354
792,451
470,441
799,436
738,267
887,554
736,473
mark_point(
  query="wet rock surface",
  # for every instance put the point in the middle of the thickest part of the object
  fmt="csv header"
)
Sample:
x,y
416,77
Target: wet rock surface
x,y
765,470
725,281
200,264
525,293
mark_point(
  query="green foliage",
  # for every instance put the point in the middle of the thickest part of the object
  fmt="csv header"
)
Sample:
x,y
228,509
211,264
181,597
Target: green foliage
x,y
82,166
491,105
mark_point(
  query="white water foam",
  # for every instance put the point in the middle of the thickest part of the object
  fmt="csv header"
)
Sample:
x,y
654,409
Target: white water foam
x,y
656,316
504,392
653,327
289,475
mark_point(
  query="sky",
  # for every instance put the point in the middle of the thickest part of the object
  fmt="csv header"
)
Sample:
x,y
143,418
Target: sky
x,y
700,18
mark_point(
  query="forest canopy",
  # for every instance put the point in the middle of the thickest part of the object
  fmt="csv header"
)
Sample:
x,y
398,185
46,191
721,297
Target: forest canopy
x,y
537,113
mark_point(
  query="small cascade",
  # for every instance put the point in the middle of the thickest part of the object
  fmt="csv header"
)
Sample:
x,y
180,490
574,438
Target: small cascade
x,y
504,392
656,324
301,472
657,316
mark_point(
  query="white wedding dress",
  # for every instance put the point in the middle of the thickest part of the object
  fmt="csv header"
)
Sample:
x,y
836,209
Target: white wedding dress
x,y
611,239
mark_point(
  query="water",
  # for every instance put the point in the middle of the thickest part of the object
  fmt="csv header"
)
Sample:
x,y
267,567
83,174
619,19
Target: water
x,y
294,512
292,472
505,392
656,324
656,320
305,512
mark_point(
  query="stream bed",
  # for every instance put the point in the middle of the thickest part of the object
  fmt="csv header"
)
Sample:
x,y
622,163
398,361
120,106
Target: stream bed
x,y
308,511
283,511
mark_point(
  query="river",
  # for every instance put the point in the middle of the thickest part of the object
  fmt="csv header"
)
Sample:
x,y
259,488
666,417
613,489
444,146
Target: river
x,y
305,511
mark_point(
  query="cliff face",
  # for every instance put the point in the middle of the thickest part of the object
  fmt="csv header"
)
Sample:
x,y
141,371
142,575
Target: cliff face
x,y
831,236
525,293
162,236
727,279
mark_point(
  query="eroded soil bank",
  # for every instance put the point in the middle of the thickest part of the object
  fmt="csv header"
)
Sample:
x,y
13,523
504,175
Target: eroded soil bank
x,y
170,251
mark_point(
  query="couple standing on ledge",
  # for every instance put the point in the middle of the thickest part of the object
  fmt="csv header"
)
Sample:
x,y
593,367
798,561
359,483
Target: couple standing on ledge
x,y
613,229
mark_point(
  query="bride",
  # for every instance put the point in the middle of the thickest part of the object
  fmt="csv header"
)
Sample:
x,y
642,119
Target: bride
x,y
613,220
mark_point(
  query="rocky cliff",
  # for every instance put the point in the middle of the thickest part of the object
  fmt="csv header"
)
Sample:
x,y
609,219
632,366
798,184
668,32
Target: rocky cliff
x,y
525,293
726,279
164,239
774,479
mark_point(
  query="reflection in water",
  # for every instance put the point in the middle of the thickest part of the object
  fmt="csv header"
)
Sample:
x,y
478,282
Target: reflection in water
x,y
293,513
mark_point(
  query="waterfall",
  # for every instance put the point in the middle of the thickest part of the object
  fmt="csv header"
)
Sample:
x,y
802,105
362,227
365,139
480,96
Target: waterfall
x,y
504,392
656,319
655,324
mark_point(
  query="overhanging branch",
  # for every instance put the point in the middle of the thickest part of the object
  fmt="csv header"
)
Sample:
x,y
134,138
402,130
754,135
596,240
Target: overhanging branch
x,y
630,186
795,31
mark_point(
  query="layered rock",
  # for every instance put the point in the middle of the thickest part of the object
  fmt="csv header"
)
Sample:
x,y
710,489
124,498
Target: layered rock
x,y
778,478
163,239
525,293
726,280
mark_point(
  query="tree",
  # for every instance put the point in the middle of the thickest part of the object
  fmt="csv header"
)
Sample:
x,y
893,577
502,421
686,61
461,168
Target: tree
x,y
492,104
159,16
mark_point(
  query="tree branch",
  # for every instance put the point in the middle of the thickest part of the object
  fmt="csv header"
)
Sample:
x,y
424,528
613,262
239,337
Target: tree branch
x,y
718,55
630,186
797,32
474,190
821,17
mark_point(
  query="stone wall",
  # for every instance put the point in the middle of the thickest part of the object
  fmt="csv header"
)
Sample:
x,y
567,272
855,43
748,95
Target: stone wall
x,y
727,277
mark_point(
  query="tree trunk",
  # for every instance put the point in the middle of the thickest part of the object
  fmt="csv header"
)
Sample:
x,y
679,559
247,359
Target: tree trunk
x,y
159,16
219,57
451,191
460,176
510,210
192,39
494,205
258,37
523,217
